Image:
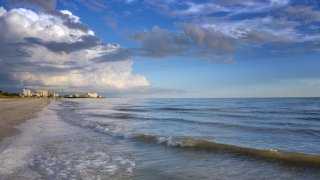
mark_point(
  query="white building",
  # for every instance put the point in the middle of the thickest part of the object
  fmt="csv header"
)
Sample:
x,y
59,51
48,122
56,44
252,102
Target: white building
x,y
41,93
92,95
26,93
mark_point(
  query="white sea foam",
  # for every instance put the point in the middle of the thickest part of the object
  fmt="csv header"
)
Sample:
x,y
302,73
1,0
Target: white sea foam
x,y
114,131
58,150
15,155
169,141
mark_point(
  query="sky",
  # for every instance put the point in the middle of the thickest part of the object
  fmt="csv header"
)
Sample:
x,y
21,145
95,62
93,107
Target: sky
x,y
162,48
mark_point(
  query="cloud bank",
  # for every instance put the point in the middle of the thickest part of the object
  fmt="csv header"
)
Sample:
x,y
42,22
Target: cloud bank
x,y
54,50
224,27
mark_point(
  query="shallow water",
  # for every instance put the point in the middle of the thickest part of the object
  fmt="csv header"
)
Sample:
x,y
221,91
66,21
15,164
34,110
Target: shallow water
x,y
170,139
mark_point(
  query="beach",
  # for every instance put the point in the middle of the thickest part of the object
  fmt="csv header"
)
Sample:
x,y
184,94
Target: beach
x,y
15,111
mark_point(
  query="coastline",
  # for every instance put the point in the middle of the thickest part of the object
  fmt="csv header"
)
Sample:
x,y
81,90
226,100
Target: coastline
x,y
14,111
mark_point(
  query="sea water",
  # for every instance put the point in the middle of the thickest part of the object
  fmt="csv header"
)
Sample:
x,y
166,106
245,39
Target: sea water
x,y
254,138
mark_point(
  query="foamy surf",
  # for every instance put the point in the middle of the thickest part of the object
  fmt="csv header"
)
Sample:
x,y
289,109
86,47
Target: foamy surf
x,y
53,149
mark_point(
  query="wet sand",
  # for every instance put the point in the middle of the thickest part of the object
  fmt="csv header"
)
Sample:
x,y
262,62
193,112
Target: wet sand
x,y
15,111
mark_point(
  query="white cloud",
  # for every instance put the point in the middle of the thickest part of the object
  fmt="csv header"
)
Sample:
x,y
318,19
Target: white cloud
x,y
279,28
115,75
279,2
197,9
2,11
42,67
23,23
130,1
71,16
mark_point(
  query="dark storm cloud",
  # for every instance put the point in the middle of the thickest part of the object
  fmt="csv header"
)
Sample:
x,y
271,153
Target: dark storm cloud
x,y
12,50
119,55
86,42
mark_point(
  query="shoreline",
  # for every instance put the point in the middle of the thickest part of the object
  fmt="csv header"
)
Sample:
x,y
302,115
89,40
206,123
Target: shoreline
x,y
14,111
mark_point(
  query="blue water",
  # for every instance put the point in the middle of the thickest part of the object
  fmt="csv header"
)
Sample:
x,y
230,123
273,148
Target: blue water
x,y
186,138
289,124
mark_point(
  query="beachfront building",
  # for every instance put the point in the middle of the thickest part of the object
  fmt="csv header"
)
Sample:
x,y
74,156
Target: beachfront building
x,y
86,95
92,95
53,95
26,93
41,93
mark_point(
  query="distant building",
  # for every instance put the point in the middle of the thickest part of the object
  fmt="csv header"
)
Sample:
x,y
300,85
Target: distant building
x,y
68,96
26,93
41,93
92,95
53,95
86,95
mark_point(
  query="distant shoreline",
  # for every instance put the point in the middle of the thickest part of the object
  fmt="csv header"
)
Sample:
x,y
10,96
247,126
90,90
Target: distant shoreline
x,y
16,110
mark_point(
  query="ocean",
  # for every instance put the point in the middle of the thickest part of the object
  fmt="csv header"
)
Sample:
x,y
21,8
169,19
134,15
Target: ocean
x,y
242,138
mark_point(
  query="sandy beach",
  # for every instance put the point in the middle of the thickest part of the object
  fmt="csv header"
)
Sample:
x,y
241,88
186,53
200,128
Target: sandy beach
x,y
16,111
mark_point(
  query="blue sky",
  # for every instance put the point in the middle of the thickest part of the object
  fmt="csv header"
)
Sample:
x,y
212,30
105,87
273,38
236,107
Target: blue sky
x,y
168,48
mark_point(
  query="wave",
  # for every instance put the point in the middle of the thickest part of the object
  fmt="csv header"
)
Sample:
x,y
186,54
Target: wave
x,y
131,109
308,113
116,115
198,144
126,116
237,115
317,119
135,109
265,128
285,156
192,143
175,109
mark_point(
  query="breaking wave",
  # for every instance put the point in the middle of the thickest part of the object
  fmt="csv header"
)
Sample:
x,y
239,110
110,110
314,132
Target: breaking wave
x,y
285,156
126,125
193,143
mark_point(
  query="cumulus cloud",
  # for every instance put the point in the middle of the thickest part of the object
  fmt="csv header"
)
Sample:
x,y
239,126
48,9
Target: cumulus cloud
x,y
115,75
39,50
